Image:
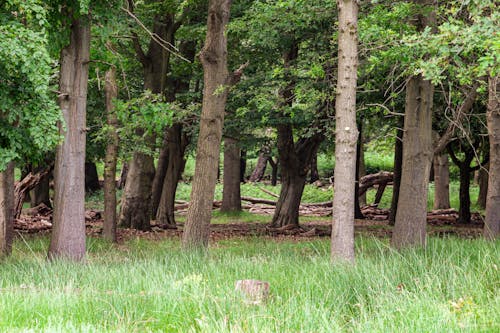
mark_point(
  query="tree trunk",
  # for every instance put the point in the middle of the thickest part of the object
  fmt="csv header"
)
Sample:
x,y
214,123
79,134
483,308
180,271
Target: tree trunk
x,y
110,159
123,176
159,178
314,170
398,165
492,220
411,215
231,195
260,168
482,180
91,177
176,146
358,214
361,168
274,170
346,133
6,209
68,232
41,193
243,165
441,182
464,195
215,75
136,201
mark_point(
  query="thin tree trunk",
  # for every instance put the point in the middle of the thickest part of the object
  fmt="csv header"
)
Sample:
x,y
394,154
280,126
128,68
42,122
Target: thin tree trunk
x,y
482,180
109,225
441,181
492,220
464,195
346,133
231,195
123,176
361,169
243,165
68,233
411,215
398,165
357,207
176,146
215,75
274,170
314,170
6,209
159,178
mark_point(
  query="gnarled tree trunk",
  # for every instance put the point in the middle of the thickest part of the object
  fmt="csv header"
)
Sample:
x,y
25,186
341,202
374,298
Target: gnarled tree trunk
x,y
110,159
215,75
68,232
231,195
6,209
346,133
492,220
177,143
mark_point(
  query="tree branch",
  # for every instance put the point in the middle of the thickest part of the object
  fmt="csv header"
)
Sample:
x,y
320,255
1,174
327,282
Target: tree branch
x,y
235,77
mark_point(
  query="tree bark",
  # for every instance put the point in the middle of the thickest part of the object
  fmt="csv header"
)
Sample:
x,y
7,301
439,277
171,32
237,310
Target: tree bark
x,y
91,177
358,214
6,209
411,215
482,180
441,181
111,157
243,165
123,176
398,165
41,192
159,178
314,170
361,168
274,170
231,195
68,233
216,78
346,133
135,212
177,143
260,168
492,219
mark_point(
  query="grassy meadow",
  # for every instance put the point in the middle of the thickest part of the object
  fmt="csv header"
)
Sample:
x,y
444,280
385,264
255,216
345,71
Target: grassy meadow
x,y
151,286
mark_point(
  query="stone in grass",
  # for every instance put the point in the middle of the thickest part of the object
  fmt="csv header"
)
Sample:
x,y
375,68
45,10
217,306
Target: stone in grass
x,y
254,291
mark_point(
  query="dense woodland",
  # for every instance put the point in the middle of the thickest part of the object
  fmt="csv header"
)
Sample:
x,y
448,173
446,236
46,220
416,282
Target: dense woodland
x,y
142,85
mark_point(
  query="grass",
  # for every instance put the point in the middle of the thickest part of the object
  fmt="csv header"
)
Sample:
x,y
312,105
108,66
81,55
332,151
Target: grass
x,y
142,286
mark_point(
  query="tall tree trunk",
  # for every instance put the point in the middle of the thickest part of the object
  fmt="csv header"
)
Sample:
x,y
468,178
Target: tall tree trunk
x,y
411,215
346,133
492,219
231,195
91,177
441,181
68,232
159,178
6,209
177,144
109,225
482,180
357,207
361,169
215,75
398,165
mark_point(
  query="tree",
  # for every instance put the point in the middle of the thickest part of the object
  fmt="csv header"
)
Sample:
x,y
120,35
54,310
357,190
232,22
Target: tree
x,y
109,224
492,214
346,133
68,234
6,209
216,81
411,215
231,197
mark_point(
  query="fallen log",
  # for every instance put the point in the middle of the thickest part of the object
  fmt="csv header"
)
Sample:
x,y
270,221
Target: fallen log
x,y
382,177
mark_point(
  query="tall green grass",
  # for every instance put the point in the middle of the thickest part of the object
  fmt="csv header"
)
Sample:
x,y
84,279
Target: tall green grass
x,y
142,286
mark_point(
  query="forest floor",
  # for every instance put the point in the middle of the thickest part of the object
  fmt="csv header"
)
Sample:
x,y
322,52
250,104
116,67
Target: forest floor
x,y
245,224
